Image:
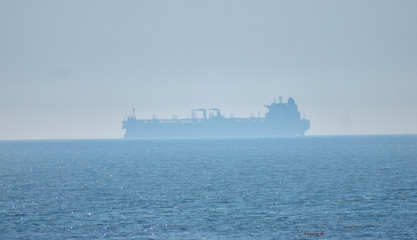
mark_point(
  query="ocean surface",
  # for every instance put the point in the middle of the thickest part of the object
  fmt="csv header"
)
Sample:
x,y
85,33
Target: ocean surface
x,y
339,187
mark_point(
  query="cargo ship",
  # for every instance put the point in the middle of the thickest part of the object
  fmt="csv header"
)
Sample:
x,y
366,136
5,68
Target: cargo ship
x,y
283,119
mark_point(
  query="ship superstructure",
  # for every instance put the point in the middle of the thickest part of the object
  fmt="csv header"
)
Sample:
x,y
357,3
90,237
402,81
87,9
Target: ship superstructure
x,y
283,119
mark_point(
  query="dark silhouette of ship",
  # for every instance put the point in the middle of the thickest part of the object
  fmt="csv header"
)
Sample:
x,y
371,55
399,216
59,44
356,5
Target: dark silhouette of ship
x,y
281,120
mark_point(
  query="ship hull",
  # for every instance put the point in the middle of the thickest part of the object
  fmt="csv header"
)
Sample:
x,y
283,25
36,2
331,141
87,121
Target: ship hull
x,y
214,129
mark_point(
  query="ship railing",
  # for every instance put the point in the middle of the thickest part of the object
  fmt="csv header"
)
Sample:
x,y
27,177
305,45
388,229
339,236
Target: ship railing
x,y
199,120
165,121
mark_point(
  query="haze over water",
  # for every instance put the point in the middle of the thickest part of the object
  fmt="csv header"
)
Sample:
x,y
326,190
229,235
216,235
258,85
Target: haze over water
x,y
75,69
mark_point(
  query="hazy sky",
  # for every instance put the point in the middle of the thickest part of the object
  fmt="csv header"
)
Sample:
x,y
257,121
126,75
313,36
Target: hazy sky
x,y
74,69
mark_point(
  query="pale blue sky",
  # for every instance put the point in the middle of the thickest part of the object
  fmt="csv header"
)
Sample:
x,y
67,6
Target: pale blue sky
x,y
74,69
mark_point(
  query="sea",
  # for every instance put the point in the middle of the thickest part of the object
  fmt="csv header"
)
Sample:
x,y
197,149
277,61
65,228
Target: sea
x,y
313,187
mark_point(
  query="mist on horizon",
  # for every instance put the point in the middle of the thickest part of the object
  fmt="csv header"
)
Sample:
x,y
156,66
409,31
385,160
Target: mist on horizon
x,y
75,69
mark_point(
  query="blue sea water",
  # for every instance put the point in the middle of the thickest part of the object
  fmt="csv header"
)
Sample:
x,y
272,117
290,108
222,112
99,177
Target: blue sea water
x,y
346,187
